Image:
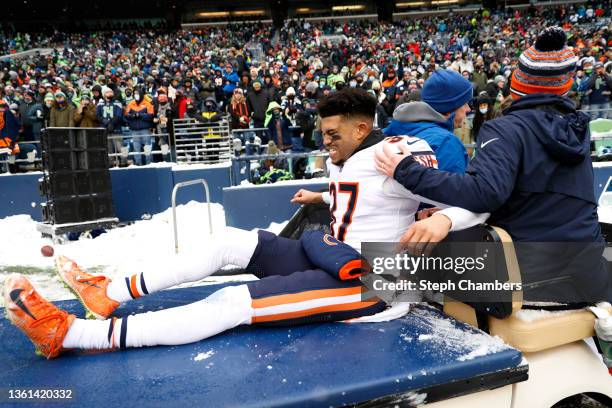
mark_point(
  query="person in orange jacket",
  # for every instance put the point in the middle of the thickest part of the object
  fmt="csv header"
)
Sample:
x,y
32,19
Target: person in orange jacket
x,y
9,132
139,115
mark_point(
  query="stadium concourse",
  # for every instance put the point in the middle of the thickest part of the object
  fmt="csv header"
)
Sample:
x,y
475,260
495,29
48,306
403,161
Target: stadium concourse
x,y
135,81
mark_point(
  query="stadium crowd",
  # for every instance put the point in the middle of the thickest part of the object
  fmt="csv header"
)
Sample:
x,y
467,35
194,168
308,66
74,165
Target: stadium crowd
x,y
133,83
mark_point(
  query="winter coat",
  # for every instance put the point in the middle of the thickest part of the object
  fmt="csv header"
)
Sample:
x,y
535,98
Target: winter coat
x,y
421,120
63,117
209,116
87,118
283,141
140,116
258,104
32,120
110,115
238,111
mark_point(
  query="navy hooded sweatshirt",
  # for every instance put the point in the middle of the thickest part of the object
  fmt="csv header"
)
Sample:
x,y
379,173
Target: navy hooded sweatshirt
x,y
533,173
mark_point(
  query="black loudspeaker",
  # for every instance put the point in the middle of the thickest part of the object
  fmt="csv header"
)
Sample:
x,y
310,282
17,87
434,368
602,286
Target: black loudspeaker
x,y
73,139
78,209
81,182
59,160
92,159
76,182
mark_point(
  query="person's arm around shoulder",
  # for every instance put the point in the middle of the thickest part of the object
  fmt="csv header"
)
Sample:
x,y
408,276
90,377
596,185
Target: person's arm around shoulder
x,y
486,185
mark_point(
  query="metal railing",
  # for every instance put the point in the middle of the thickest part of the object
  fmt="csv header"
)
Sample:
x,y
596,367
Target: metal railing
x,y
196,142
241,165
32,158
174,191
126,148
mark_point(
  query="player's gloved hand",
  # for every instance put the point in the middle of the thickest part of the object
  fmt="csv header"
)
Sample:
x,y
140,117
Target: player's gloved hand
x,y
422,236
386,160
307,197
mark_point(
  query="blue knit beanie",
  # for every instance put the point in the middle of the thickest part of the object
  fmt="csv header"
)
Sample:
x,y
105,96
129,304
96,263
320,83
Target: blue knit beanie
x,y
446,91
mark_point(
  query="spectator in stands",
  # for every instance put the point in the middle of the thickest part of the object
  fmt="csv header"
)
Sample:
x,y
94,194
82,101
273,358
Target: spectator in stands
x,y
62,112
479,78
48,102
109,113
485,110
163,121
278,126
258,101
86,115
139,115
32,119
9,133
599,89
96,94
445,96
211,115
211,112
206,88
306,121
496,90
238,110
190,91
179,106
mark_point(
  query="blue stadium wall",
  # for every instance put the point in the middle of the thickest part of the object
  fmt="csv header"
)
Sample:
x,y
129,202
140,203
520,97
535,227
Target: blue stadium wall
x,y
136,190
142,190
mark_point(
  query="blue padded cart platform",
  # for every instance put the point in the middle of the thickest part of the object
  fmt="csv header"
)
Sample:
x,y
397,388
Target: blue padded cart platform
x,y
302,366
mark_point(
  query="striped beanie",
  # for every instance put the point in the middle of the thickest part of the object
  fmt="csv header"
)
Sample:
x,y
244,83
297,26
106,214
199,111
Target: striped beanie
x,y
545,67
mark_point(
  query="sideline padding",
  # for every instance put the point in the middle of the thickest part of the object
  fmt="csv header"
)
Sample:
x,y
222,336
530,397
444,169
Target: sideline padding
x,y
301,366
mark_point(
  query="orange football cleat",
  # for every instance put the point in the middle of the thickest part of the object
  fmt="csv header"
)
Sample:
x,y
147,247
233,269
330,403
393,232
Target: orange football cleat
x,y
39,319
90,289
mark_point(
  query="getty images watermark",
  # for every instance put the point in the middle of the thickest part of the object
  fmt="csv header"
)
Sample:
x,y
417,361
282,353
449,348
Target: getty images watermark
x,y
485,271
405,263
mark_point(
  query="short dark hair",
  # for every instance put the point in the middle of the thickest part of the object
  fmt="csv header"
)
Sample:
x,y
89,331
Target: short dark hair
x,y
348,102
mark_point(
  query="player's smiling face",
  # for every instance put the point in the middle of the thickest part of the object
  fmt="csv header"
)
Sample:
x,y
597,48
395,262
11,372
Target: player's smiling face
x,y
342,136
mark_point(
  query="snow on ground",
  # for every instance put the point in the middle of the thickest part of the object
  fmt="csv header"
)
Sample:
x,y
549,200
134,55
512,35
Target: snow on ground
x,y
204,356
119,251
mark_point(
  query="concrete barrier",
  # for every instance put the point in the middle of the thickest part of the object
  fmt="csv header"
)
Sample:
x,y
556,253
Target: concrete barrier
x,y
257,206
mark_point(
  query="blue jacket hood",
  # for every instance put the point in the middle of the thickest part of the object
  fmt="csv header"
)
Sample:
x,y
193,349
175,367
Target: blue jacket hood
x,y
421,120
562,131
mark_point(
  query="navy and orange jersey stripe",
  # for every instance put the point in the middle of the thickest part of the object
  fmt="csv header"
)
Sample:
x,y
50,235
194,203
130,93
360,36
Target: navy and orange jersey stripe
x,y
309,296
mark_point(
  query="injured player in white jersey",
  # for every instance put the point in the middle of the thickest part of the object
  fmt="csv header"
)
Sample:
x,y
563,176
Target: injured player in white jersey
x,y
294,287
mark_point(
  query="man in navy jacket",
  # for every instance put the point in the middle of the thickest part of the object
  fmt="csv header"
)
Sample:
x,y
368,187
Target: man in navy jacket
x,y
532,173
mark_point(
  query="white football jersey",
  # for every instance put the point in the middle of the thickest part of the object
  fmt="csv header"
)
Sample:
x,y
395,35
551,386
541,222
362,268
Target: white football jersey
x,y
367,206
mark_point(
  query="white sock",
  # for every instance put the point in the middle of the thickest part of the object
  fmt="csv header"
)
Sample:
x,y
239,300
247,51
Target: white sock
x,y
89,334
225,309
233,247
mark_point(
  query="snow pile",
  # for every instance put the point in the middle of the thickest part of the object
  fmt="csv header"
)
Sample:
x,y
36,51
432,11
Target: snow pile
x,y
115,253
137,242
436,334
